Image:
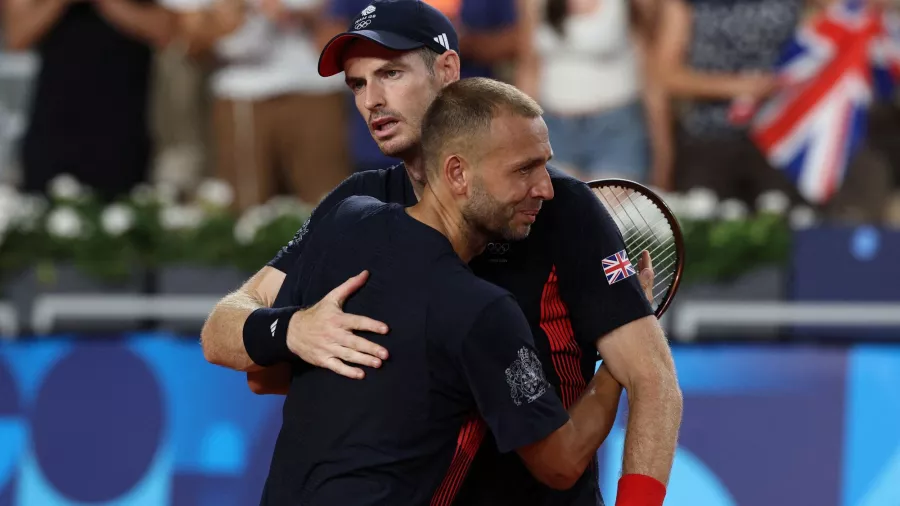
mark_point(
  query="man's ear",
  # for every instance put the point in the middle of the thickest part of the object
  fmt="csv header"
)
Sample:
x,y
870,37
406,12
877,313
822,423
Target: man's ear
x,y
446,67
457,174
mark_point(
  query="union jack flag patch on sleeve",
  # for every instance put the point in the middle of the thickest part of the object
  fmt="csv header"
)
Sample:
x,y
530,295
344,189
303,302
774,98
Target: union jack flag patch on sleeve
x,y
617,267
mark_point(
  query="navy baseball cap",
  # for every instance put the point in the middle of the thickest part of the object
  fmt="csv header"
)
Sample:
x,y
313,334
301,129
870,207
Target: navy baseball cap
x,y
402,25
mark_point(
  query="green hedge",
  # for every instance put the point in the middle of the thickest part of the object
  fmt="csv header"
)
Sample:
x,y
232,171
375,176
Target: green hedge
x,y
149,229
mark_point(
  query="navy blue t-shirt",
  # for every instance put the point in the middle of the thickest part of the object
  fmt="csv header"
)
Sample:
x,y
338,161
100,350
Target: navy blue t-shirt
x,y
460,346
556,276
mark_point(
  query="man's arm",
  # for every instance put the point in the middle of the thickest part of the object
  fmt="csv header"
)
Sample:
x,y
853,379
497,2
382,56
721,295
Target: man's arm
x,y
303,17
273,380
528,65
222,335
506,378
25,22
561,458
203,26
321,335
639,358
682,81
645,15
147,22
614,317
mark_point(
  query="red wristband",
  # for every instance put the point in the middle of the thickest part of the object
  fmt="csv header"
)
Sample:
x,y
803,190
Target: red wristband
x,y
640,490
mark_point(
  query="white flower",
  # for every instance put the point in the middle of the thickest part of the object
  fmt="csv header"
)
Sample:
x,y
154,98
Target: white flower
x,y
166,193
215,192
181,217
117,219
65,223
65,187
20,211
287,206
245,231
9,206
250,222
732,210
802,217
773,201
675,202
30,210
8,194
143,194
700,204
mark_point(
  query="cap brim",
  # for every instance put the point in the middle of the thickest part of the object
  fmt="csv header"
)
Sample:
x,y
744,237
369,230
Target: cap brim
x,y
331,59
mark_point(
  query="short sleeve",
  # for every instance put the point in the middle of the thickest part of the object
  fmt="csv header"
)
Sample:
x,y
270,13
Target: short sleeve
x,y
289,254
506,378
585,234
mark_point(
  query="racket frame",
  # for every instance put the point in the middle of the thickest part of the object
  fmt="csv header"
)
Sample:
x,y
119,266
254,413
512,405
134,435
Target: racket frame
x,y
673,223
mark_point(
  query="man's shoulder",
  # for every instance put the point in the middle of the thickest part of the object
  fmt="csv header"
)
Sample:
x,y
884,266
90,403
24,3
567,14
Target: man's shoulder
x,y
379,182
356,210
465,292
566,187
380,174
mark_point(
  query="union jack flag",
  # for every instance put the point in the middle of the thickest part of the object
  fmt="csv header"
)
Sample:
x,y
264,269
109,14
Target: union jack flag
x,y
831,70
617,267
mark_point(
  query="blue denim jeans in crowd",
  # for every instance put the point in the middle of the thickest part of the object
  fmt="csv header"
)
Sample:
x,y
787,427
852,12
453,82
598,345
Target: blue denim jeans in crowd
x,y
609,143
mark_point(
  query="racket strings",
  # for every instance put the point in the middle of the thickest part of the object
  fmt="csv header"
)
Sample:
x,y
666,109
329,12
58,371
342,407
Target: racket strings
x,y
644,227
647,235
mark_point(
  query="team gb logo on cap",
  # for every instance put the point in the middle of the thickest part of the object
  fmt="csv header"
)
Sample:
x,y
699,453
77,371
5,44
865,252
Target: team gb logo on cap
x,y
365,18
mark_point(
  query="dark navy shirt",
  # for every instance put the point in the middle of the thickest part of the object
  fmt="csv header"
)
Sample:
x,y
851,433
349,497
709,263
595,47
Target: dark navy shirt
x,y
460,346
556,276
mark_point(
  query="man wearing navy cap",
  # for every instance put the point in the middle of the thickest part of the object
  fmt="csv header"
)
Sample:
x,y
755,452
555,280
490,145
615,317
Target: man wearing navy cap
x,y
396,58
489,33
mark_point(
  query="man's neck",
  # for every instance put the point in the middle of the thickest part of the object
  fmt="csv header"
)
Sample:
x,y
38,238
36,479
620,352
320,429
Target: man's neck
x,y
447,220
415,169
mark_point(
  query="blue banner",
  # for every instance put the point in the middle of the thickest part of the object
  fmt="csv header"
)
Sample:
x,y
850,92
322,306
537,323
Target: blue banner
x,y
846,264
146,421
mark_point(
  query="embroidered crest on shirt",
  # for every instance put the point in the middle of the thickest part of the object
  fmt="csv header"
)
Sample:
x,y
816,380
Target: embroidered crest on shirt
x,y
526,378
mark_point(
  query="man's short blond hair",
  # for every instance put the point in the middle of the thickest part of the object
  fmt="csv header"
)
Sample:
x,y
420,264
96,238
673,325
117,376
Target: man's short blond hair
x,y
462,114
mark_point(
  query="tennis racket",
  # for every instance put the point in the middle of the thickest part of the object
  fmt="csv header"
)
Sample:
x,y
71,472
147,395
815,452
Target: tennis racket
x,y
646,223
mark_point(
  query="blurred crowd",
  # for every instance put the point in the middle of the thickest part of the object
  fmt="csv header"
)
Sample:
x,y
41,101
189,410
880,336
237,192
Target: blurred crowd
x,y
175,91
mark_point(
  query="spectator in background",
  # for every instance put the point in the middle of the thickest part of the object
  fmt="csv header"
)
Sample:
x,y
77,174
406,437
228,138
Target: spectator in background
x,y
180,110
488,36
711,52
274,118
589,65
89,112
884,128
